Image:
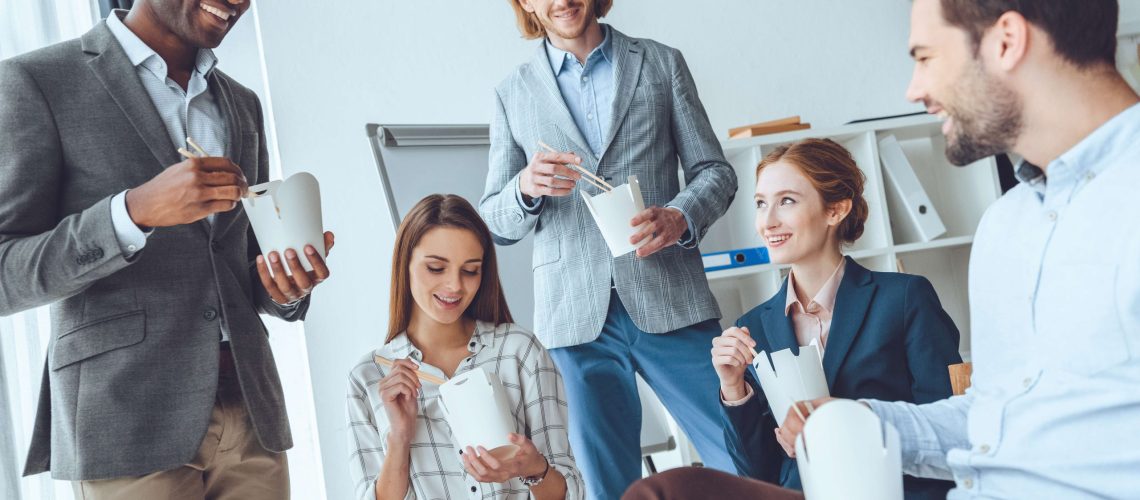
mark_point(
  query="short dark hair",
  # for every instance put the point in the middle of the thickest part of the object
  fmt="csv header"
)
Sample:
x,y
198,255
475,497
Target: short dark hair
x,y
1083,31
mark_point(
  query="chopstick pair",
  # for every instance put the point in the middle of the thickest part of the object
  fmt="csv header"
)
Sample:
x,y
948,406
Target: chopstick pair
x,y
426,377
795,405
198,151
594,180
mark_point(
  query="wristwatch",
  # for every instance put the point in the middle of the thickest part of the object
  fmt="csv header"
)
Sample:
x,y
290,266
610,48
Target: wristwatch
x,y
530,481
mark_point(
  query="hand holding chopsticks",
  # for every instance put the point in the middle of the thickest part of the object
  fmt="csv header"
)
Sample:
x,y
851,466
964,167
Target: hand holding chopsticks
x,y
596,181
187,191
426,377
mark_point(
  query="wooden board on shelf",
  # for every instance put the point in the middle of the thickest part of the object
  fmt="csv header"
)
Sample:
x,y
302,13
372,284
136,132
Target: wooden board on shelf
x,y
754,131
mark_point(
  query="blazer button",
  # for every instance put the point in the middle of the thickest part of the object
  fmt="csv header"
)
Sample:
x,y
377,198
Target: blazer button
x,y
215,246
210,314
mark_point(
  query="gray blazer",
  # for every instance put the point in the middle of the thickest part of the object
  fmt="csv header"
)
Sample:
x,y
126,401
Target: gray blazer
x,y
131,371
658,120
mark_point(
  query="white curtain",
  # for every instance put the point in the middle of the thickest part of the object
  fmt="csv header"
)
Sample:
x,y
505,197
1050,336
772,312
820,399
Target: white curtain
x,y
27,25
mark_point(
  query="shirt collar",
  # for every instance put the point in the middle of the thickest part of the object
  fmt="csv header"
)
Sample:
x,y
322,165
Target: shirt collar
x,y
140,54
559,57
401,346
1089,157
824,298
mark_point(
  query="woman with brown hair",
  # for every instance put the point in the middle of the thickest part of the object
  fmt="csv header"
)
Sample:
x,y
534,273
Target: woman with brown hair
x,y
448,316
881,335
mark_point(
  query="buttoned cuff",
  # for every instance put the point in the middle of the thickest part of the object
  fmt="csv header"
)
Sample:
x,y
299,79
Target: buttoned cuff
x,y
131,238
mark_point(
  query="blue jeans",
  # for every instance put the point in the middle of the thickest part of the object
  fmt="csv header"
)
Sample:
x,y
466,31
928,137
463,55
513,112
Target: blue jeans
x,y
605,412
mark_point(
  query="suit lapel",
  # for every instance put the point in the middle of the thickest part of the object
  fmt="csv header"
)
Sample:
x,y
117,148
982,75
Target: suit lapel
x,y
851,304
778,328
540,79
225,98
628,56
115,71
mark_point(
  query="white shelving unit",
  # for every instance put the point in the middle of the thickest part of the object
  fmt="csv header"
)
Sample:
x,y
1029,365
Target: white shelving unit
x,y
960,194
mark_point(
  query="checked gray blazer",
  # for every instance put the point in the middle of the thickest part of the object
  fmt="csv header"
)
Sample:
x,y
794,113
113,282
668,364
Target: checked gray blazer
x,y
132,368
658,123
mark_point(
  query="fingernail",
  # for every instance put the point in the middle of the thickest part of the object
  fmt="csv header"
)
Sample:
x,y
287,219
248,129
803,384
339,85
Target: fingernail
x,y
273,257
290,254
310,250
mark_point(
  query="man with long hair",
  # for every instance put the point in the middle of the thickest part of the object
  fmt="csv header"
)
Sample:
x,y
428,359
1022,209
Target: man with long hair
x,y
615,106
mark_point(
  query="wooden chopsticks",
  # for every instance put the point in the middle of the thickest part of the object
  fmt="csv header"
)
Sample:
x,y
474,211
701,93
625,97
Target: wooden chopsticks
x,y
198,151
426,377
594,180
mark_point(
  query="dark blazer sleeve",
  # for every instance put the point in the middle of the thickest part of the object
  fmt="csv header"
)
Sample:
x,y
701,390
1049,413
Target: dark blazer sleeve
x,y
749,428
45,256
264,303
931,342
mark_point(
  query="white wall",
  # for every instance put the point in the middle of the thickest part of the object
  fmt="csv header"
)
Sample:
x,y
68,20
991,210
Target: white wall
x,y
334,66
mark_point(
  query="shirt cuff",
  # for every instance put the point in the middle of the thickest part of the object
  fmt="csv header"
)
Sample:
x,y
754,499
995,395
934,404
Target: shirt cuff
x,y
687,240
131,238
741,401
535,205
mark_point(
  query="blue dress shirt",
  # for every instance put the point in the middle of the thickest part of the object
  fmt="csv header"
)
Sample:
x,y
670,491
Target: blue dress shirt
x,y
1054,283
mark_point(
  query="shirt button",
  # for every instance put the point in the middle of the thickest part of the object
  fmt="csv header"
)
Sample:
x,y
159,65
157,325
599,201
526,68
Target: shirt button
x,y
590,116
585,79
1027,382
1090,176
131,248
968,483
985,448
1052,216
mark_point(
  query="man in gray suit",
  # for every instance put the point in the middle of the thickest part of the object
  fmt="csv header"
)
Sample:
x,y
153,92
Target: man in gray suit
x,y
159,380
617,106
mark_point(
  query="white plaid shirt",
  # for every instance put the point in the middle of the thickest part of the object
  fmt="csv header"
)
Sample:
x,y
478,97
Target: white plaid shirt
x,y
534,389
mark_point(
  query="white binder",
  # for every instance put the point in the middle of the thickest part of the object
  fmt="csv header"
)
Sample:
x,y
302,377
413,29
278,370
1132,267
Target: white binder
x,y
922,221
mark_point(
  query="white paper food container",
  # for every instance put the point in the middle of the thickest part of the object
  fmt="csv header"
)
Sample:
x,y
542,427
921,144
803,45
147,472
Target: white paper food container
x,y
287,214
613,210
846,453
478,412
791,378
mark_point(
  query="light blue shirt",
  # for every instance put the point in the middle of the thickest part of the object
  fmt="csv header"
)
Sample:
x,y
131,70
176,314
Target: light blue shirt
x,y
587,89
1054,284
193,112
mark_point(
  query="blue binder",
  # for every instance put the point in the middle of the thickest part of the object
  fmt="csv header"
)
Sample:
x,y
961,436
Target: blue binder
x,y
716,261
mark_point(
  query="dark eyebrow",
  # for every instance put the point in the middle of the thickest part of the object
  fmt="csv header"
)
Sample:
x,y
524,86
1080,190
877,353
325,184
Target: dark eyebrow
x,y
436,257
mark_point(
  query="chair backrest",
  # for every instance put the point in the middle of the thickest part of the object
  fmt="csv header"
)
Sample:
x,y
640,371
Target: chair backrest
x,y
846,453
960,377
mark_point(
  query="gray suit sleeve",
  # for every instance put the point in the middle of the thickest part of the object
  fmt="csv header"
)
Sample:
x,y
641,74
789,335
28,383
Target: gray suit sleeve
x,y
501,204
264,303
709,178
43,257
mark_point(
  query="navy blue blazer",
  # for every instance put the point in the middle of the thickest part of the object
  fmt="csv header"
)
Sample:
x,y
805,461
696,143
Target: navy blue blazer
x,y
889,340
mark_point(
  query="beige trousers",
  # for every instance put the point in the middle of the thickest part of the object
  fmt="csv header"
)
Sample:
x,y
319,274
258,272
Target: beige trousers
x,y
230,464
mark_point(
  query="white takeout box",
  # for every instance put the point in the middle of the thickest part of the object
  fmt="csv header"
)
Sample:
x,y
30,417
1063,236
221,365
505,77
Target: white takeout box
x,y
287,214
846,453
613,210
479,412
789,378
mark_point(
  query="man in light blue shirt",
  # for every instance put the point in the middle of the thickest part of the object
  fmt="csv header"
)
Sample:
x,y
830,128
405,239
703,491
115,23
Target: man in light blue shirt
x,y
1054,281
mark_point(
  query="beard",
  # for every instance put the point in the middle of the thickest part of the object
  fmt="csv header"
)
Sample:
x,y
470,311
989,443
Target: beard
x,y
551,27
988,120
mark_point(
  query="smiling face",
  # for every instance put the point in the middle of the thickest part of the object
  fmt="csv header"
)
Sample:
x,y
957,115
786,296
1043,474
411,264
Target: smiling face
x,y
199,23
981,115
791,217
445,272
566,19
